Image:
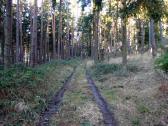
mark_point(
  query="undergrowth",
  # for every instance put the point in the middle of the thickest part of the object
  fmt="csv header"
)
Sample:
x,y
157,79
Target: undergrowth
x,y
116,69
20,75
25,91
162,62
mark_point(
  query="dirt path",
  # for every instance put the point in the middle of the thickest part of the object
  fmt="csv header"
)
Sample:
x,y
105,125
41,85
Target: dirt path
x,y
108,116
78,107
55,103
78,102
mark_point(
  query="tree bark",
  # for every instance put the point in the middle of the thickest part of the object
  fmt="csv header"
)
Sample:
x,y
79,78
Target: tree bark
x,y
33,60
124,38
161,32
41,58
8,35
124,42
142,37
53,32
60,31
17,32
152,37
96,34
21,33
46,54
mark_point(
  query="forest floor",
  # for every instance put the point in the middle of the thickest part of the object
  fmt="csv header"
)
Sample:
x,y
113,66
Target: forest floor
x,y
139,98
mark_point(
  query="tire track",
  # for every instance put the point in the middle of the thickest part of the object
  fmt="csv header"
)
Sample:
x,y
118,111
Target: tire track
x,y
108,116
54,103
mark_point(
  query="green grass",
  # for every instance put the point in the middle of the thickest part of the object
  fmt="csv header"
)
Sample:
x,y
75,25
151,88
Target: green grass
x,y
162,62
101,69
32,86
135,122
143,109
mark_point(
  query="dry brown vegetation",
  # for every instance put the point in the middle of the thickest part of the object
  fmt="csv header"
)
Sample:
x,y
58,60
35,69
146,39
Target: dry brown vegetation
x,y
139,99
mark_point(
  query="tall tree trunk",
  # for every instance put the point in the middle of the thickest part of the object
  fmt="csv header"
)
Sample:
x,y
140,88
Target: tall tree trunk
x,y
33,60
17,32
124,42
142,37
152,37
8,35
21,33
96,34
124,37
72,40
161,32
60,31
47,43
53,32
41,58
117,23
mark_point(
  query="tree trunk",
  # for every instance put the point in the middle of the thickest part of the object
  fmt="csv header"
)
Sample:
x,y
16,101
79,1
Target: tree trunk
x,y
33,60
117,38
152,37
124,42
17,32
60,31
46,54
142,37
21,34
161,32
8,35
96,34
41,58
53,32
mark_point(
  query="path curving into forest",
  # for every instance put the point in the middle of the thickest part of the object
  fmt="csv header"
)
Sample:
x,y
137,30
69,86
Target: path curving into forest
x,y
108,116
54,103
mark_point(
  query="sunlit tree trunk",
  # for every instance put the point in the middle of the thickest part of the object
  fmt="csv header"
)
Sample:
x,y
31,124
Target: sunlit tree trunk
x,y
33,60
8,35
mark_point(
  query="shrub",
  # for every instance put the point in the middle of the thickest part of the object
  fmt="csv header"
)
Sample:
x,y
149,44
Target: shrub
x,y
19,75
162,62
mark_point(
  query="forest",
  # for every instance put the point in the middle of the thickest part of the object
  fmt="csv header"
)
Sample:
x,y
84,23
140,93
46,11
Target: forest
x,y
83,62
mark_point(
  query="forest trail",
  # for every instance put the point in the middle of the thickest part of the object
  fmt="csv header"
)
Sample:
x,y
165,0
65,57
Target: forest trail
x,y
81,101
108,116
117,100
53,105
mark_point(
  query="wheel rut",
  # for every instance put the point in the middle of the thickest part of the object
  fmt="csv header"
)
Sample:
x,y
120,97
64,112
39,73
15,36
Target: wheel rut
x,y
108,116
54,104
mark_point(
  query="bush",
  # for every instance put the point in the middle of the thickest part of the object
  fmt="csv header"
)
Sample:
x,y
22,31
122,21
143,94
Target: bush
x,y
18,75
162,62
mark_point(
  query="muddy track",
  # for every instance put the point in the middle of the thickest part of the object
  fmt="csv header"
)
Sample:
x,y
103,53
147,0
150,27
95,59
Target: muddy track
x,y
54,103
108,116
